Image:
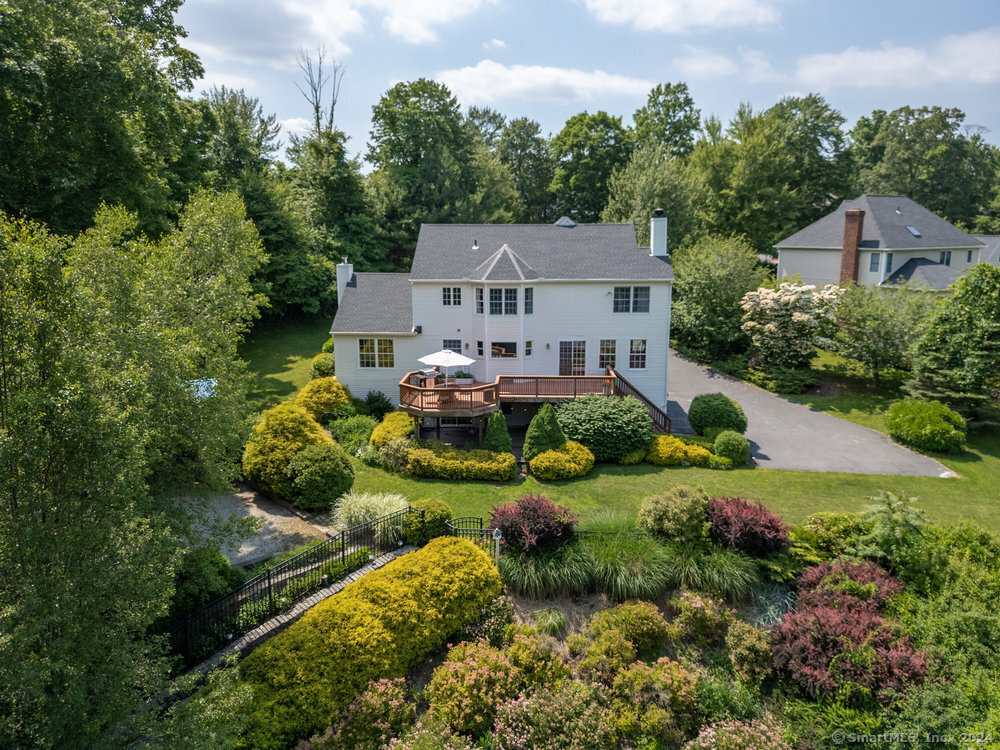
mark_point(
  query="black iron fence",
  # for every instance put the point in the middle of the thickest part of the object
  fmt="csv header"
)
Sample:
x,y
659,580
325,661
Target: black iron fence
x,y
280,586
471,527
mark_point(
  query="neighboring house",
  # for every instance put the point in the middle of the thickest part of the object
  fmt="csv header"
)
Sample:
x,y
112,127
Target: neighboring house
x,y
991,248
878,239
521,299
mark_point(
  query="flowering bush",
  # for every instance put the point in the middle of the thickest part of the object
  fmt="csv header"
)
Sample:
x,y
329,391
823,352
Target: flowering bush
x,y
494,622
537,656
568,717
534,523
377,715
759,734
680,513
467,689
569,461
749,652
700,620
853,586
640,622
604,657
655,704
431,735
749,528
787,323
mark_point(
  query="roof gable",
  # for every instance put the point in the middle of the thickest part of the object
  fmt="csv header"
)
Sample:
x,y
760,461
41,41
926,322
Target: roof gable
x,y
924,272
505,265
375,303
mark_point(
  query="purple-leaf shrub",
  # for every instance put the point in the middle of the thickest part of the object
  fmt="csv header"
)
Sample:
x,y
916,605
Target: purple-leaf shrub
x,y
863,585
532,524
747,527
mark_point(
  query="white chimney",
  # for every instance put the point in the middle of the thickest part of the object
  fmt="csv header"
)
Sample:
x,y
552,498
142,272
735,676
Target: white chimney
x,y
658,234
345,271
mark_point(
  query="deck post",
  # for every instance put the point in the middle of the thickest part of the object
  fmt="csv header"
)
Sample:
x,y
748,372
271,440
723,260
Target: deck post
x,y
437,424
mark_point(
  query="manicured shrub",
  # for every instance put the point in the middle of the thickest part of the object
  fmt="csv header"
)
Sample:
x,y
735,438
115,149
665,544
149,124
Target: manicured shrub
x,y
627,566
319,474
721,572
328,346
680,513
720,463
538,657
436,513
640,622
323,366
699,620
847,585
551,621
566,571
383,711
698,456
749,652
570,716
716,410
352,432
926,425
438,461
377,404
467,689
323,398
655,705
733,446
759,734
356,508
394,424
610,427
702,441
381,626
634,457
543,434
570,461
666,450
749,528
394,455
497,438
281,433
603,657
533,524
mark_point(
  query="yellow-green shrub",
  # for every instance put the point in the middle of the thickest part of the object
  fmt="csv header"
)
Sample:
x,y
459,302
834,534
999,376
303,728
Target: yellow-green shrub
x,y
439,461
696,455
634,457
570,461
380,626
394,424
666,450
281,433
323,395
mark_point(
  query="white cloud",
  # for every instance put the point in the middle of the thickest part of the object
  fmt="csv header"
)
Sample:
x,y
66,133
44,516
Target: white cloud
x,y
489,81
296,126
757,67
699,62
684,15
495,44
956,59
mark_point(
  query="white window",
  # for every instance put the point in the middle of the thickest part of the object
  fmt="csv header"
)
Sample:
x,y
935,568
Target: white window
x,y
527,348
503,349
945,257
572,357
529,299
631,299
451,295
454,344
888,263
479,348
479,301
968,256
874,262
637,354
503,301
606,357
375,353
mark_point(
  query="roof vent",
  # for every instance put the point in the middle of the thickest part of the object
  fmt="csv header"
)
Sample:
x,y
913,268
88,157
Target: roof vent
x,y
565,221
475,244
913,230
898,211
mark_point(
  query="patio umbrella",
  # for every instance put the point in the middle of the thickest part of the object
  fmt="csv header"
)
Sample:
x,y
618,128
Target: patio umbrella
x,y
447,359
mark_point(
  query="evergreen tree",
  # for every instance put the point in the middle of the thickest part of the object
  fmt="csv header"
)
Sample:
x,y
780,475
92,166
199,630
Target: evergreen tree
x,y
497,437
544,433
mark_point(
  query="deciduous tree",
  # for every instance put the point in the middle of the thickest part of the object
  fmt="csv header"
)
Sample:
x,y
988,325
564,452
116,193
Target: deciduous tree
x,y
587,150
669,119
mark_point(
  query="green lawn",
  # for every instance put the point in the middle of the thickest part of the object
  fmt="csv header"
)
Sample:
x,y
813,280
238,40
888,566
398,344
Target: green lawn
x,y
280,352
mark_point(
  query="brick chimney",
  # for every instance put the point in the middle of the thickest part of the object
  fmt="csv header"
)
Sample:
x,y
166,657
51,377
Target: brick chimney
x,y
854,222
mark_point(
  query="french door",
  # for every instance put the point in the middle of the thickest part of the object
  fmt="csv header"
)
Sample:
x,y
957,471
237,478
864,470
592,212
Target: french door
x,y
572,357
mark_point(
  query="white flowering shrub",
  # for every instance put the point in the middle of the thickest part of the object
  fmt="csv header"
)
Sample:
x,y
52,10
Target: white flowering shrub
x,y
787,323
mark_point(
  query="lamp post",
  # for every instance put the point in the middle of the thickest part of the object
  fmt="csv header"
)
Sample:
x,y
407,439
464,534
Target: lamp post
x,y
497,536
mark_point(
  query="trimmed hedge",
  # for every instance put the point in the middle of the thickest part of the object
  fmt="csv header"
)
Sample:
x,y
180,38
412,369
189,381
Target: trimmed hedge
x,y
716,410
611,427
274,441
394,424
436,512
437,461
666,450
733,446
319,475
568,462
544,433
378,627
323,397
926,425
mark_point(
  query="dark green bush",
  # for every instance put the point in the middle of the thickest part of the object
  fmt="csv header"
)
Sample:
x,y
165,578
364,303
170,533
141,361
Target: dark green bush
x,y
378,627
319,474
926,426
377,404
610,426
716,410
203,574
323,366
779,379
544,433
733,446
497,437
436,512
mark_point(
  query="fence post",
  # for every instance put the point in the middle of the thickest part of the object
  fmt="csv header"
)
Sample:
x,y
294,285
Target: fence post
x,y
270,596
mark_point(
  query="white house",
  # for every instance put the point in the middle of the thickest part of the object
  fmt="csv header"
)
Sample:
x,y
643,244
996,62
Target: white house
x,y
879,239
521,299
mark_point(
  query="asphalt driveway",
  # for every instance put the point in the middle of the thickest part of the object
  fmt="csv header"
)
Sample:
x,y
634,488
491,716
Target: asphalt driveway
x,y
787,435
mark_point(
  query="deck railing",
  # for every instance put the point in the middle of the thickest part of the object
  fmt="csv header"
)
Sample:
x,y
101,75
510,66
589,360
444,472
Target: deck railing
x,y
438,399
624,388
554,386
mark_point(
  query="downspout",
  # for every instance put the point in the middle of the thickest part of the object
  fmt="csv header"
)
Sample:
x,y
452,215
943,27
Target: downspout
x,y
520,315
486,331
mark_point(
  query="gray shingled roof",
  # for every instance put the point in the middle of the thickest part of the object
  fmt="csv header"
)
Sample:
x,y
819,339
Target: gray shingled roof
x,y
885,222
582,251
375,303
924,272
505,265
991,248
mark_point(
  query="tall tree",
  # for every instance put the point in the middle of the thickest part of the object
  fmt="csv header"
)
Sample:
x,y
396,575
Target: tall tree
x,y
89,109
587,150
244,139
669,118
488,124
527,155
652,179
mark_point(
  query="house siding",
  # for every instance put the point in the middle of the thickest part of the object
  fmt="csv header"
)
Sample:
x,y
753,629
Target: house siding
x,y
814,266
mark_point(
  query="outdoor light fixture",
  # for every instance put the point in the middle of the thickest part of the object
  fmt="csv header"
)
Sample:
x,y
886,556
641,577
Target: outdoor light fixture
x,y
546,346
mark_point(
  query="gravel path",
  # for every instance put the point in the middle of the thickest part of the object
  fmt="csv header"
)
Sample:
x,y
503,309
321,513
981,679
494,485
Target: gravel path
x,y
787,435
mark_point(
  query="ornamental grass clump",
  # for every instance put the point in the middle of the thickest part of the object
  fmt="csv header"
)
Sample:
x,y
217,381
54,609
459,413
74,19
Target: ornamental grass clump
x,y
533,524
707,568
629,566
566,571
749,528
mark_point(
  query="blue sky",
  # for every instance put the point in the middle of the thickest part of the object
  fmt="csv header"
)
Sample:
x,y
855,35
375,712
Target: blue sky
x,y
550,59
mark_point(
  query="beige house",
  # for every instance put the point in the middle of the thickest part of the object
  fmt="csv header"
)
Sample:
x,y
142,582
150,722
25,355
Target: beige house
x,y
879,239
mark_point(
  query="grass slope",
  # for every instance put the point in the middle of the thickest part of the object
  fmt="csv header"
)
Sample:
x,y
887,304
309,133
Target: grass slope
x,y
280,352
